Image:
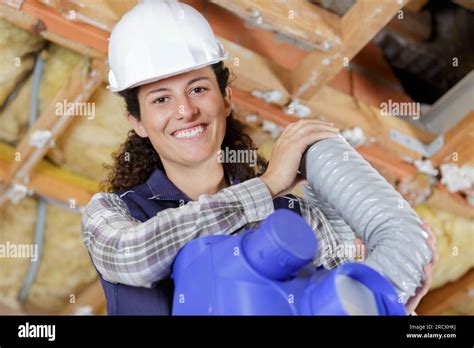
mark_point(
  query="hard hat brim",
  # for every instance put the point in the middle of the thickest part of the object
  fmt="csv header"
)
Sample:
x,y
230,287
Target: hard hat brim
x,y
155,79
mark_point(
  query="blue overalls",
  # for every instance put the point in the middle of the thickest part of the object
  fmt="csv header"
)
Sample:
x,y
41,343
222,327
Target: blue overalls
x,y
130,300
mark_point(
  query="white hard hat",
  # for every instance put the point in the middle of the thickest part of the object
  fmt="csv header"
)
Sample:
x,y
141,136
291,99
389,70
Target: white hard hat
x,y
157,39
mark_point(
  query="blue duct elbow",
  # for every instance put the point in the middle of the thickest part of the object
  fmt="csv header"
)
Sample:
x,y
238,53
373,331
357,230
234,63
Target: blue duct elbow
x,y
269,271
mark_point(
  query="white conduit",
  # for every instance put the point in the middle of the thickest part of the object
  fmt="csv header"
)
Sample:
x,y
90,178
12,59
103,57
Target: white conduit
x,y
42,205
38,241
355,197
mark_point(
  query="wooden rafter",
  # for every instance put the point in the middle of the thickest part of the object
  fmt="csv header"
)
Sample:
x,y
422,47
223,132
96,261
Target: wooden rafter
x,y
451,202
378,154
294,18
373,153
253,71
78,89
347,112
359,25
265,110
50,24
458,143
49,183
439,300
28,154
415,5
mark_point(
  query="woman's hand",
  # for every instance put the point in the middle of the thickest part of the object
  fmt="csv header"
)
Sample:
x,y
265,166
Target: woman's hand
x,y
425,286
281,173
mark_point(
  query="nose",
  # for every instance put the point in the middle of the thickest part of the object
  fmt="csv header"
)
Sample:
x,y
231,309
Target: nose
x,y
186,109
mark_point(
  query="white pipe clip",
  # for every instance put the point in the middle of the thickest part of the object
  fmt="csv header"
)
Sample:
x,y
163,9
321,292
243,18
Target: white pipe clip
x,y
41,138
17,192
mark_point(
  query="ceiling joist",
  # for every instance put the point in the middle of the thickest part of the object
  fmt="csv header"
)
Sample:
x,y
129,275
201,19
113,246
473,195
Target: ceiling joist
x,y
42,20
47,128
359,25
310,25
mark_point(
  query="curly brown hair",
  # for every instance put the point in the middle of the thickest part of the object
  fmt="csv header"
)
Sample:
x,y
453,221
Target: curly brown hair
x,y
137,159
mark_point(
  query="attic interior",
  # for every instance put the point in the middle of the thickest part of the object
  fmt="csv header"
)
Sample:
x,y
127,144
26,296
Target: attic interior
x,y
341,61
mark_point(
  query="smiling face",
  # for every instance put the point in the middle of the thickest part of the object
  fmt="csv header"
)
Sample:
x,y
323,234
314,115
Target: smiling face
x,y
184,116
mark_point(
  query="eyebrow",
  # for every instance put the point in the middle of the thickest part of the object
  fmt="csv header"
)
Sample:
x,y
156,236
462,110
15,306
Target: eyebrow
x,y
189,83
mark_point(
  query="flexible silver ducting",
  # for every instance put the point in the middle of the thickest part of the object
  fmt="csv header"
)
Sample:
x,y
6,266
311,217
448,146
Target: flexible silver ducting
x,y
356,198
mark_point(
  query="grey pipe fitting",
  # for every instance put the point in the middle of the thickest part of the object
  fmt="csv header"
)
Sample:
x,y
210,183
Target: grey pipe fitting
x,y
355,197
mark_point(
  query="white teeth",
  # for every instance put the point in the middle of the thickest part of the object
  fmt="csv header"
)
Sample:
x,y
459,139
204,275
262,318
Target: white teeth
x,y
189,133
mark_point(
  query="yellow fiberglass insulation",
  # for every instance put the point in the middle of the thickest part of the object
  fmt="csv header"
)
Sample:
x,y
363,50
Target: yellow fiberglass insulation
x,y
455,238
16,60
88,142
65,267
17,223
59,62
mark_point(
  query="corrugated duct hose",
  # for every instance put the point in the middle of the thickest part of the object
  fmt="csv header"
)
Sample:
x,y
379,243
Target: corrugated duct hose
x,y
355,197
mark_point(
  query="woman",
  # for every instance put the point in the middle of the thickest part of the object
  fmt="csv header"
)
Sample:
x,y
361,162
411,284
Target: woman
x,y
167,185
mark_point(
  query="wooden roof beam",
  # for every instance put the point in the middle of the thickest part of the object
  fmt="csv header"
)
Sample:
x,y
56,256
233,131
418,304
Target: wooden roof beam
x,y
43,20
373,153
384,154
439,300
300,20
359,25
458,145
49,183
49,126
50,180
253,72
346,111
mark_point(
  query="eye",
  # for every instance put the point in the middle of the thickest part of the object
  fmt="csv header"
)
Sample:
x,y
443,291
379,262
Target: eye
x,y
199,90
160,100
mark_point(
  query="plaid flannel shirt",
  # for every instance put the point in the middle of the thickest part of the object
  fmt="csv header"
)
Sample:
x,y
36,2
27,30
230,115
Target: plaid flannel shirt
x,y
128,251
